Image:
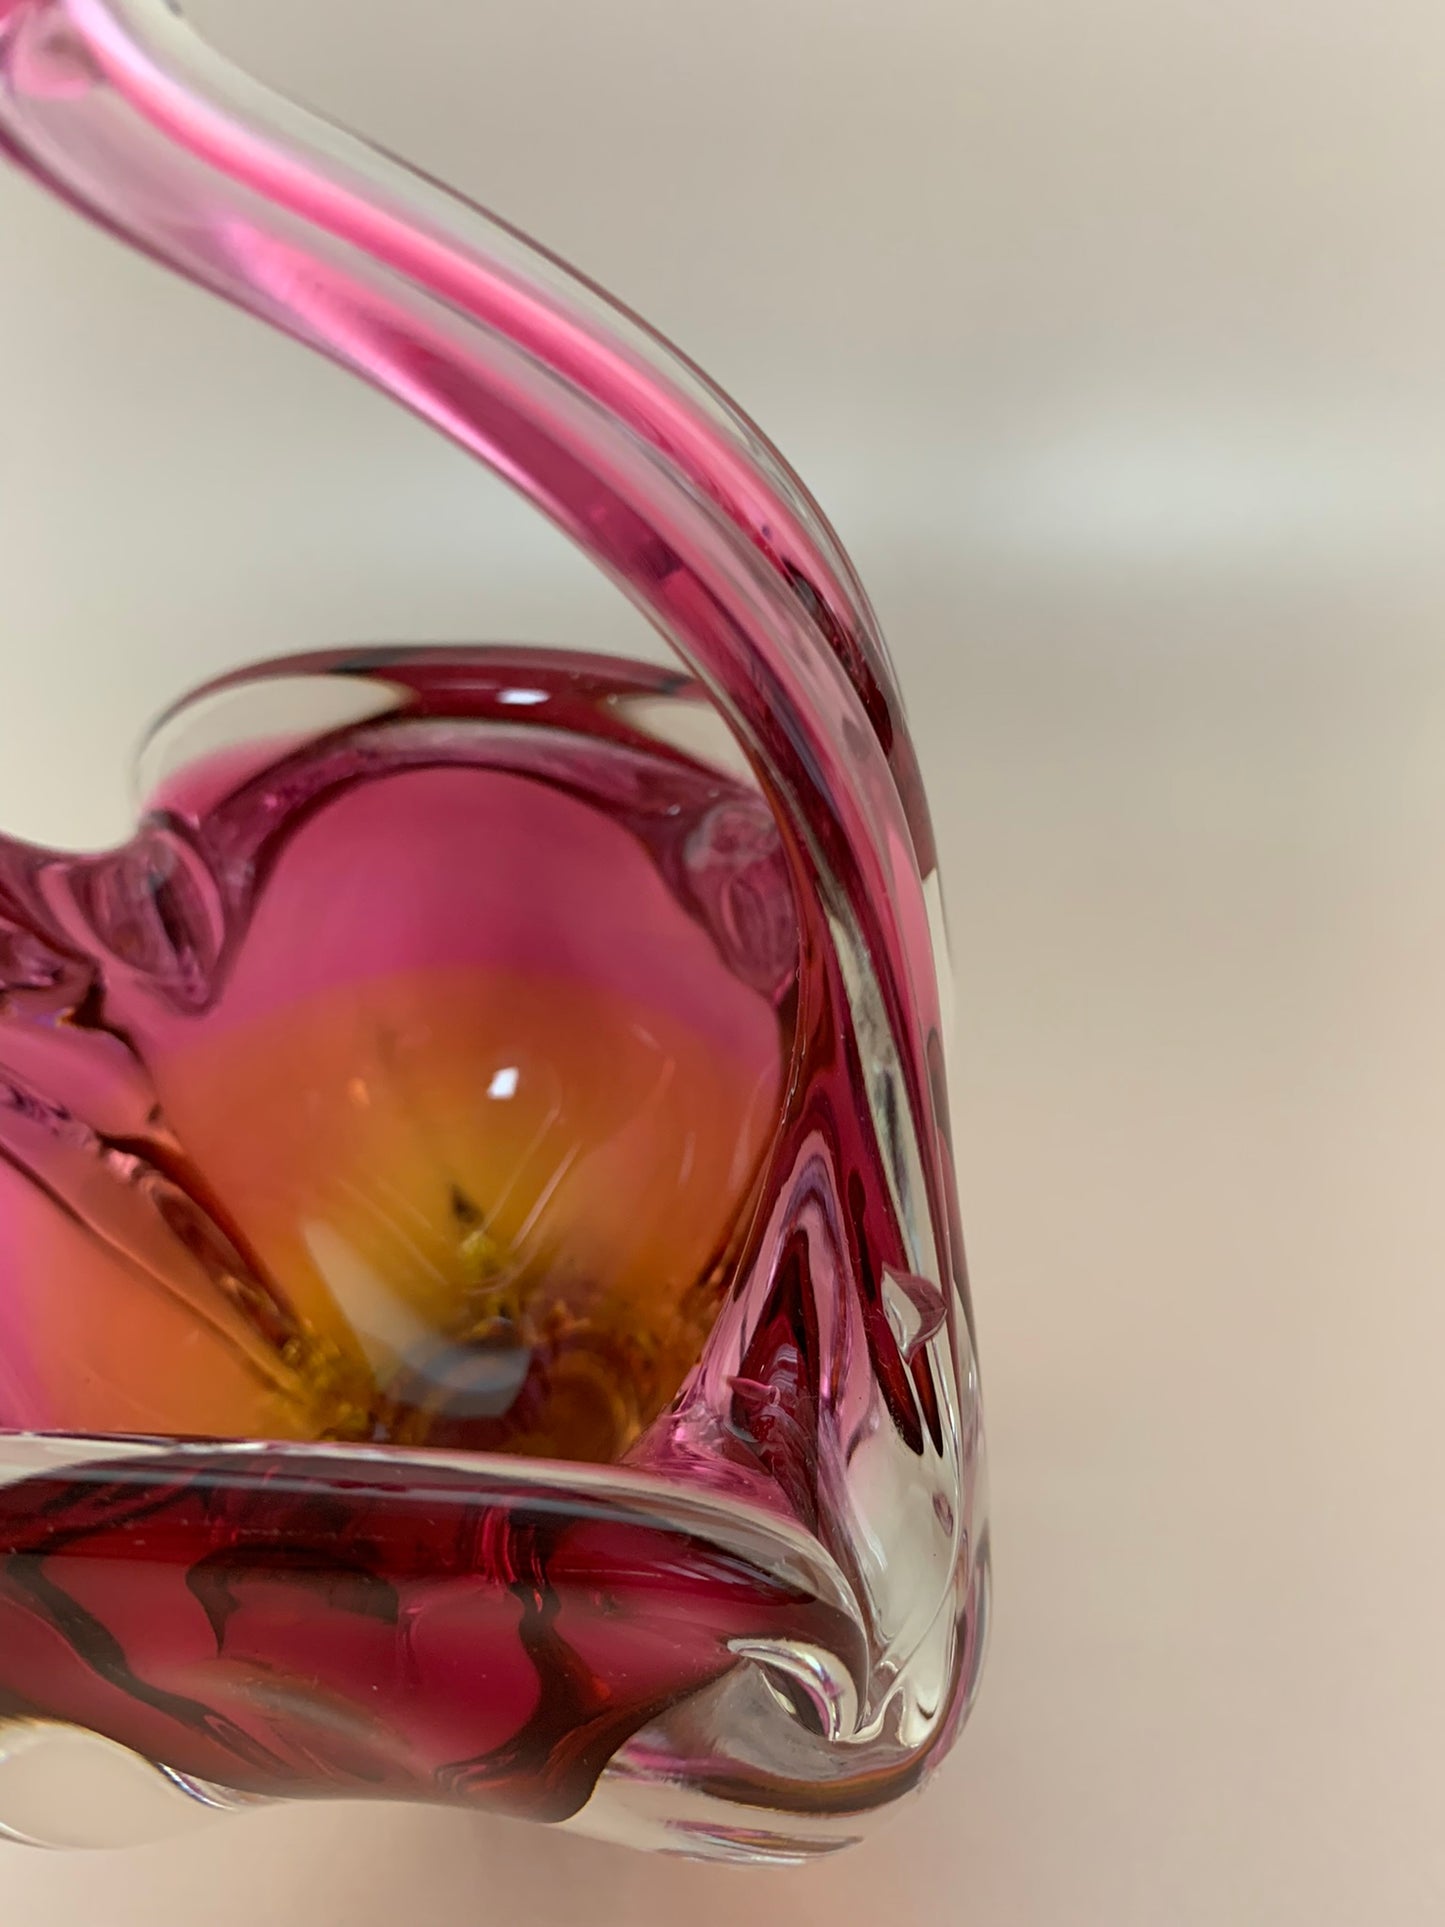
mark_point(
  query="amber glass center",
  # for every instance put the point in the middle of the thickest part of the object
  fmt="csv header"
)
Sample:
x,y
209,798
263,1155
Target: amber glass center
x,y
455,1148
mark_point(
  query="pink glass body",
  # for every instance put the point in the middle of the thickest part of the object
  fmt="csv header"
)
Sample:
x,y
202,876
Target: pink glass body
x,y
761,1617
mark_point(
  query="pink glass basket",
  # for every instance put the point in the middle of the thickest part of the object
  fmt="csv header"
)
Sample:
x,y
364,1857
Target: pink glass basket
x,y
482,1307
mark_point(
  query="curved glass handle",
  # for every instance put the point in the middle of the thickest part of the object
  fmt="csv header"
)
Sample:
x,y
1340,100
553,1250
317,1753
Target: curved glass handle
x,y
578,404
121,109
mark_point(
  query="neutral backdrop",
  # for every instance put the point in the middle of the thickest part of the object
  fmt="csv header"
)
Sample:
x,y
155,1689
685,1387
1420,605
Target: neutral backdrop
x,y
1113,338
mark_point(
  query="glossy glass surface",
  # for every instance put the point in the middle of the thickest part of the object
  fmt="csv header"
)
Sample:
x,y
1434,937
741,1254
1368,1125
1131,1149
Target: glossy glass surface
x,y
453,1082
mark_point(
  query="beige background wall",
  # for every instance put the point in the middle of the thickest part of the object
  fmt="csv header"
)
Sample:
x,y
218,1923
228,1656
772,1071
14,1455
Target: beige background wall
x,y
1113,336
